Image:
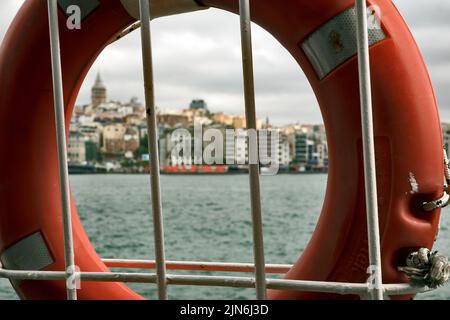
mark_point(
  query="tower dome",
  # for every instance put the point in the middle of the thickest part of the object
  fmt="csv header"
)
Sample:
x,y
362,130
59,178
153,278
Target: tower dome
x,y
98,92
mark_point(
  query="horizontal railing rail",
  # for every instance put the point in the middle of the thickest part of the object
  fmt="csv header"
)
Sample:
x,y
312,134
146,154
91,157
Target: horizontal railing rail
x,y
195,266
341,288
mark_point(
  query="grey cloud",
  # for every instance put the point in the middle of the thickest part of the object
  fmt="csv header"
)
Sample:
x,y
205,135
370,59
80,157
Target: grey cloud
x,y
8,9
210,65
420,13
430,25
197,55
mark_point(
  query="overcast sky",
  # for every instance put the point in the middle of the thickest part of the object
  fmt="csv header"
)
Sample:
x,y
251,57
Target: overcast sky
x,y
197,55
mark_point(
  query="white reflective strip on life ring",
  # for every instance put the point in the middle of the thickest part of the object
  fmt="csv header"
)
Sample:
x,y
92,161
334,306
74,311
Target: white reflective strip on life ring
x,y
162,8
30,253
335,42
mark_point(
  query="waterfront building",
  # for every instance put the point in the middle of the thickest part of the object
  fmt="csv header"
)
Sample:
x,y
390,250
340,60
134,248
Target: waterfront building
x,y
222,118
76,148
239,122
173,119
304,148
195,113
91,151
125,110
290,137
183,156
280,152
170,153
230,147
92,131
311,150
201,120
134,119
267,150
284,154
113,138
131,140
321,155
241,147
108,117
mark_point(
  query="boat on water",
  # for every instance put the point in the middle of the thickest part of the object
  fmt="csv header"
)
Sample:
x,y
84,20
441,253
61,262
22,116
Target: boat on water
x,y
85,169
380,215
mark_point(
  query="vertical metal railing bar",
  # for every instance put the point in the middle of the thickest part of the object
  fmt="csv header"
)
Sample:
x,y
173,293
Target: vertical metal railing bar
x,y
368,149
158,226
69,255
250,114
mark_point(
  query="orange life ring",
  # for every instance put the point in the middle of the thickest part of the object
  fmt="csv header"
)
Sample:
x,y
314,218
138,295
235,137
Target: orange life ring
x,y
320,36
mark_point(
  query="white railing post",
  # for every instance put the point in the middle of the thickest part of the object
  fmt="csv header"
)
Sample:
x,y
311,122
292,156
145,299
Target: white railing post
x,y
144,9
62,147
250,115
369,150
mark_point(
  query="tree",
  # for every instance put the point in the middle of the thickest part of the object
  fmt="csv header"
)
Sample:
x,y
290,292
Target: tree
x,y
143,146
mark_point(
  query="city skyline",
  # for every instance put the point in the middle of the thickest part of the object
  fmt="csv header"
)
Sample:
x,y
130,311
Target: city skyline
x,y
198,55
112,135
114,132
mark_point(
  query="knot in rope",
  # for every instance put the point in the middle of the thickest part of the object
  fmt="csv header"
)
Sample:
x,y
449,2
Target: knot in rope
x,y
426,268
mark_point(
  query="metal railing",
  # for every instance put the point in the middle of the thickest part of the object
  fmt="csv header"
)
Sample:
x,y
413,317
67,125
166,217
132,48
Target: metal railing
x,y
250,116
260,282
144,10
61,142
370,180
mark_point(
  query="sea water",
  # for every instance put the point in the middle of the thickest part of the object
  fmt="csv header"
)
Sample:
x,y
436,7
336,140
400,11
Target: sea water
x,y
207,218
